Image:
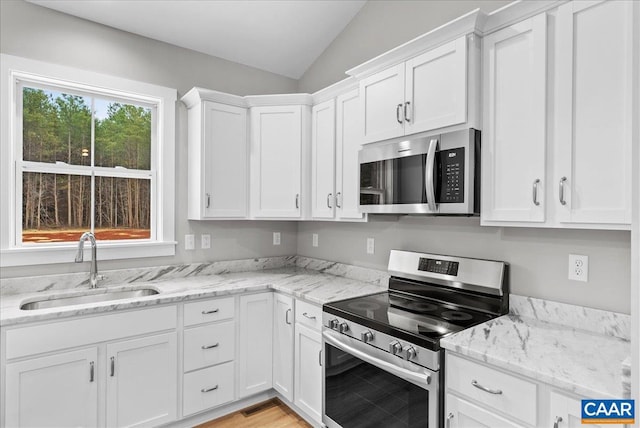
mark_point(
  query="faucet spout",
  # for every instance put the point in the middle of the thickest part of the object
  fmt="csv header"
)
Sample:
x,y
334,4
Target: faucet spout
x,y
93,273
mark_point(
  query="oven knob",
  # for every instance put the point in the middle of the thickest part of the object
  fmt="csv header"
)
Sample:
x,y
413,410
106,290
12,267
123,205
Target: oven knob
x,y
409,352
366,336
333,324
395,347
344,327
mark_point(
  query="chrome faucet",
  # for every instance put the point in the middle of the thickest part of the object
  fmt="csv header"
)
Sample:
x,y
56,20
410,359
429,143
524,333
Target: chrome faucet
x,y
94,260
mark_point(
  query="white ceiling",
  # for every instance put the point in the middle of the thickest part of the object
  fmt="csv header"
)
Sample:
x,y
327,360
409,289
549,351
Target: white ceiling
x,y
280,36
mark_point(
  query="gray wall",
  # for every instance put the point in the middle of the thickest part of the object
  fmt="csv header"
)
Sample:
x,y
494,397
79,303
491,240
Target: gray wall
x,y
382,25
35,32
538,258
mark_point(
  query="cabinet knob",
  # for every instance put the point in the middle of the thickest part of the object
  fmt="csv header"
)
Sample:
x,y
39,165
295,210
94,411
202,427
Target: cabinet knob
x,y
406,111
297,200
556,423
561,190
536,182
329,200
398,112
449,417
338,201
208,200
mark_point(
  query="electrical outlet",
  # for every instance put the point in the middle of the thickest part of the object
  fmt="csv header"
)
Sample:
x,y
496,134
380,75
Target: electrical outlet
x,y
276,238
205,241
370,246
189,242
315,240
578,267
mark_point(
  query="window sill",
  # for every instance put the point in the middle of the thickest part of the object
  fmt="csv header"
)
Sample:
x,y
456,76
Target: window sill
x,y
26,256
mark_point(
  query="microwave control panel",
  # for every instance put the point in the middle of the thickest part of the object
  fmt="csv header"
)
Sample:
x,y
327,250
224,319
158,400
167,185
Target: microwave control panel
x,y
452,169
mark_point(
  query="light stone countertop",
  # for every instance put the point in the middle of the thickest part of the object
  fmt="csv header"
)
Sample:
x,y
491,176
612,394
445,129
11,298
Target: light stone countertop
x,y
587,363
310,285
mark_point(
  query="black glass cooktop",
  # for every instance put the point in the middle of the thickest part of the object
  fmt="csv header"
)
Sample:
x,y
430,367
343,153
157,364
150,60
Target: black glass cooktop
x,y
419,319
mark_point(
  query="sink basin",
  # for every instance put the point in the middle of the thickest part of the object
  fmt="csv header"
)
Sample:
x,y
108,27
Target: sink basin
x,y
88,298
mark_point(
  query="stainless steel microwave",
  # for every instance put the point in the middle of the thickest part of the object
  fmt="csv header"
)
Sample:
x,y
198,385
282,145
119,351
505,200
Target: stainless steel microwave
x,y
429,174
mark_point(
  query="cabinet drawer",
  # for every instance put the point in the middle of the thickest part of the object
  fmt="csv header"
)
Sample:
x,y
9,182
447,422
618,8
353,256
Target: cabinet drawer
x,y
509,394
208,388
208,345
209,310
41,338
309,315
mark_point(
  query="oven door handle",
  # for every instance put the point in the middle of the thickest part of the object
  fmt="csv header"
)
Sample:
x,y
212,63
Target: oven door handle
x,y
429,184
420,379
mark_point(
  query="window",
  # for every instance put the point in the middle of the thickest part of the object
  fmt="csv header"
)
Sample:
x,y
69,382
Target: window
x,y
85,152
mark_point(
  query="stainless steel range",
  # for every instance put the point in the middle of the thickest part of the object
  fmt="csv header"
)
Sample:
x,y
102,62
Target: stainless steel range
x,y
383,366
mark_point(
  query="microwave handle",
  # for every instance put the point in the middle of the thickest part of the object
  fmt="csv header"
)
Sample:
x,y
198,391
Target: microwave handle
x,y
428,175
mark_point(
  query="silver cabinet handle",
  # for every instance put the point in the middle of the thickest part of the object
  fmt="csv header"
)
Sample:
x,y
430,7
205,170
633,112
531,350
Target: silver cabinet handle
x,y
329,200
406,114
286,316
485,389
297,200
320,358
213,388
561,190
211,311
306,315
91,371
449,417
398,117
215,345
556,424
535,192
338,201
429,169
113,366
208,200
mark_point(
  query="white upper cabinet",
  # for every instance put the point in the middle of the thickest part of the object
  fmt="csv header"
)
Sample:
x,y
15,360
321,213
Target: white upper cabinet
x,y
276,161
323,137
593,126
514,133
217,156
348,144
426,92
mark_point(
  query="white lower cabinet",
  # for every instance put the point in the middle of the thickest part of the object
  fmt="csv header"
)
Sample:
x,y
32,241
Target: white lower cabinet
x,y
283,336
34,395
308,371
255,347
142,381
207,388
565,412
463,414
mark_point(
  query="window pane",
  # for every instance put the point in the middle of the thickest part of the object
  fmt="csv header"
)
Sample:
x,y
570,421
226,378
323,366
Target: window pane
x,y
56,127
55,208
123,135
123,208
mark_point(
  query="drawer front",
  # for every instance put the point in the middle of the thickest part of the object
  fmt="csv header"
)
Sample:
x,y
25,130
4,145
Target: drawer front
x,y
207,388
208,345
309,315
509,394
41,338
209,310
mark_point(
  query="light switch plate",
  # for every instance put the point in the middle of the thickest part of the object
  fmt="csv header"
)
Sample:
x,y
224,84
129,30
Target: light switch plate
x,y
276,238
315,240
205,241
189,242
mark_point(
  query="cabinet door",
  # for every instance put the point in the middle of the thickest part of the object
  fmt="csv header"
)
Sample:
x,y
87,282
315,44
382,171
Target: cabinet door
x,y
55,391
348,143
225,155
462,414
276,138
323,138
283,334
381,104
514,135
308,372
142,381
566,412
254,352
594,104
436,88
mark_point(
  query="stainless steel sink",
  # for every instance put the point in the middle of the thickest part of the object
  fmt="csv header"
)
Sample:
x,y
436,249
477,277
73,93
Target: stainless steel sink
x,y
88,298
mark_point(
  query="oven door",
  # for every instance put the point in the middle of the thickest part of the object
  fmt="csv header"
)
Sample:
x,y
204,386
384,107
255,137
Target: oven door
x,y
367,387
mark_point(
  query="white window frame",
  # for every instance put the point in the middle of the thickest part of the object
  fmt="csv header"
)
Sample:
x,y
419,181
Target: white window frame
x,y
16,72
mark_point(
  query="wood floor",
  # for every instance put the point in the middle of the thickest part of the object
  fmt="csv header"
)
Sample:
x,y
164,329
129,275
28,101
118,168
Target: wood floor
x,y
270,414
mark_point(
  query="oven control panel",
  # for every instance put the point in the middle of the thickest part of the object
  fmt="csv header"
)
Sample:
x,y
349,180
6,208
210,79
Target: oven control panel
x,y
401,349
444,267
452,164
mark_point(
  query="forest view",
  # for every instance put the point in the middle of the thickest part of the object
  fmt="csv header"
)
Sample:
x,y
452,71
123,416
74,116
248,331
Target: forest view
x,y
57,206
